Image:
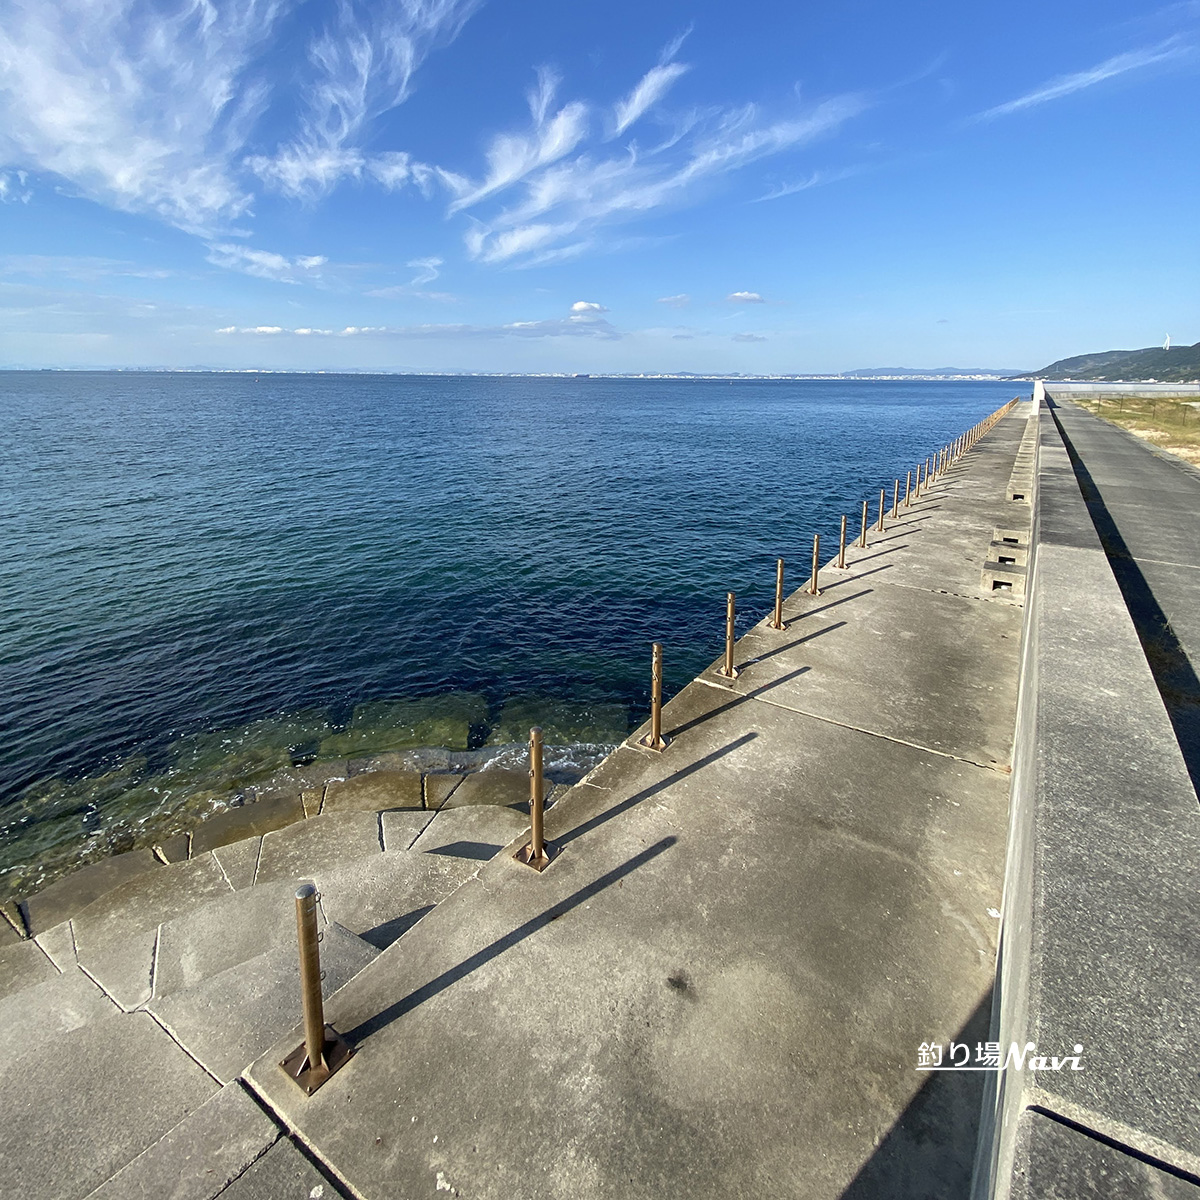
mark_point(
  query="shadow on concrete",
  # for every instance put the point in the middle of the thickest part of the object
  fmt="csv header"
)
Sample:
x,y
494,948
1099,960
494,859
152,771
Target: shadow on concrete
x,y
929,1153
1173,672
881,553
480,958
481,851
808,637
383,935
812,612
564,839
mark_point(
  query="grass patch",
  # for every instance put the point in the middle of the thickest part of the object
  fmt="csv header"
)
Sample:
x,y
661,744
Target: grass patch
x,y
1167,421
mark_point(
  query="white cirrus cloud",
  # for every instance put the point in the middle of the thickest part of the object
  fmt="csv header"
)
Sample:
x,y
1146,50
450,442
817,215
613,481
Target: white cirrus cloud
x,y
649,90
745,298
564,196
680,301
361,65
1170,50
428,269
13,187
265,264
587,306
748,337
139,108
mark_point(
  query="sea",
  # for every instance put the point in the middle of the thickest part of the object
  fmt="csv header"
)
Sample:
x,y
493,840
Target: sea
x,y
211,578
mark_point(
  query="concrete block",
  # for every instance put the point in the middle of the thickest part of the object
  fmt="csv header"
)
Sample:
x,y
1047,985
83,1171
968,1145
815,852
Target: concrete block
x,y
329,840
312,799
374,792
239,861
439,788
495,786
79,1107
48,1010
69,895
23,965
231,929
201,1156
283,1173
227,1020
116,935
476,832
247,821
59,945
382,897
401,829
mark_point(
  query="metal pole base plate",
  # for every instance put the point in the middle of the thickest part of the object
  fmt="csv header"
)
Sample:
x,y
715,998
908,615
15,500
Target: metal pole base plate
x,y
732,674
660,745
336,1054
525,856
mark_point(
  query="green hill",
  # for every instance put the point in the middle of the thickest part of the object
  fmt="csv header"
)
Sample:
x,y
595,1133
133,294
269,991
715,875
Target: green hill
x,y
1180,364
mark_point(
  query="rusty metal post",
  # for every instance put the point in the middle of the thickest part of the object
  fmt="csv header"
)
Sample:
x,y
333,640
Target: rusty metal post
x,y
841,558
310,975
908,490
862,537
882,506
534,854
896,500
729,670
655,741
813,589
777,616
322,1052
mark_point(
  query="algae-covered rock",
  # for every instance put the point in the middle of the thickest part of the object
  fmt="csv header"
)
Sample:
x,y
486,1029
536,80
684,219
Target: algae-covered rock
x,y
563,722
404,724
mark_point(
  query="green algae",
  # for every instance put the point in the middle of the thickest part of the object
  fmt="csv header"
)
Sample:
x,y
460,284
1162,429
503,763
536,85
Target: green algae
x,y
381,725
563,722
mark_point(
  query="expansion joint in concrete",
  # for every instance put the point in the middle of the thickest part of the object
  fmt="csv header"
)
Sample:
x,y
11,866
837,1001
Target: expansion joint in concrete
x,y
302,1144
179,1042
1166,1156
883,737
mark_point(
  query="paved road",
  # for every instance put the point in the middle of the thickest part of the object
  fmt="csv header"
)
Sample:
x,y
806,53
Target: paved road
x,y
1146,506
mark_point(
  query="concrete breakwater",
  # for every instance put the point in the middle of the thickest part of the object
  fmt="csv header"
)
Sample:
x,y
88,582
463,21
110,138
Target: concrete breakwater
x,y
720,986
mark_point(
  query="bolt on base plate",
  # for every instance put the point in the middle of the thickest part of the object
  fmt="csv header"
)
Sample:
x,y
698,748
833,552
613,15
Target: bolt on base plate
x,y
525,857
337,1053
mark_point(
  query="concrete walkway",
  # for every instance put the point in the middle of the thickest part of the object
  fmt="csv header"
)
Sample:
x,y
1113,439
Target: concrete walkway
x,y
719,986
1146,506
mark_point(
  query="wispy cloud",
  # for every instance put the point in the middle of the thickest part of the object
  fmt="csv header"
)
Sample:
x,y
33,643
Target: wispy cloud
x,y
565,197
587,324
263,264
747,337
649,90
680,301
1170,50
13,187
85,268
362,65
82,88
816,179
150,109
428,270
745,298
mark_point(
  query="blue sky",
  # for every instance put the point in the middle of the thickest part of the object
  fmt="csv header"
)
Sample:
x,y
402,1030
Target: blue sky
x,y
530,186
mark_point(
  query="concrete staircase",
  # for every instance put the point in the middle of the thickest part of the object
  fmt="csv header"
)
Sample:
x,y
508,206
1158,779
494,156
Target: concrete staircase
x,y
146,984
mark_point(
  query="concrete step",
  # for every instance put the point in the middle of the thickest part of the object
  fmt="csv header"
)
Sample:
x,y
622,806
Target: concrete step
x,y
228,1019
198,1159
78,1106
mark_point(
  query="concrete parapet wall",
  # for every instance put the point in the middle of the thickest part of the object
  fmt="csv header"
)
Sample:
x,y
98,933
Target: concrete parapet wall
x,y
1081,389
1098,946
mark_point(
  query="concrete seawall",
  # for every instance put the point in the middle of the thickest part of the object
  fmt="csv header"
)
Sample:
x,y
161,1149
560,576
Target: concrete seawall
x,y
1099,943
731,977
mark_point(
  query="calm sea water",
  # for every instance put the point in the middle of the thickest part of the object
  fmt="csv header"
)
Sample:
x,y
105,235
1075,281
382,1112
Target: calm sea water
x,y
208,576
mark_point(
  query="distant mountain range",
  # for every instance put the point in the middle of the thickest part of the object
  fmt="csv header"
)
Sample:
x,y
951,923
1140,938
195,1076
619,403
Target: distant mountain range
x,y
1180,364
